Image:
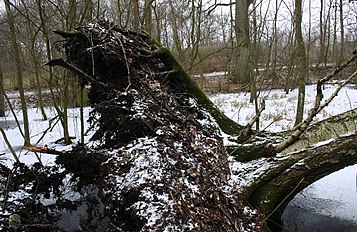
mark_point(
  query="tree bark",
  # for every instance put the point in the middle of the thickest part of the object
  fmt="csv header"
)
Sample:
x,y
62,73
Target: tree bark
x,y
241,70
148,16
2,89
301,62
271,192
136,15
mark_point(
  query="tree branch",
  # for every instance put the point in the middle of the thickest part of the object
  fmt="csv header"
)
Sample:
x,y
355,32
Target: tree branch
x,y
302,127
9,145
246,133
75,70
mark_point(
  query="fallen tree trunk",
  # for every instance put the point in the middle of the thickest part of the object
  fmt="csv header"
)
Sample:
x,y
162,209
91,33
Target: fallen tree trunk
x,y
290,174
326,147
156,159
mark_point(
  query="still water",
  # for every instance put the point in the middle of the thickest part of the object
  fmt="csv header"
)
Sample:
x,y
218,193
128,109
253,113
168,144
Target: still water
x,y
328,205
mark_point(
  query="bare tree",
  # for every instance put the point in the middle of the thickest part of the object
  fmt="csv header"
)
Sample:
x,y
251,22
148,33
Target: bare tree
x,y
342,33
148,16
242,66
136,15
19,73
175,31
275,38
31,33
334,33
2,89
301,62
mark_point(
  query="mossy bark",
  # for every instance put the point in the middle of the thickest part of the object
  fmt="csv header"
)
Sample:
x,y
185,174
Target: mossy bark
x,y
288,176
327,129
180,78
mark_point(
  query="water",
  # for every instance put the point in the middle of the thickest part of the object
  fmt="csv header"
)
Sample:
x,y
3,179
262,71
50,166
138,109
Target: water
x,y
328,205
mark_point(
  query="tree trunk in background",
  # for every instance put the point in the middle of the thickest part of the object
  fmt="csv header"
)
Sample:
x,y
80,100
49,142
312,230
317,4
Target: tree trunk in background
x,y
158,21
309,40
335,57
195,33
241,71
17,59
38,83
342,29
2,89
321,36
46,33
290,64
71,15
148,17
327,34
275,40
87,11
176,33
300,62
33,32
255,67
136,16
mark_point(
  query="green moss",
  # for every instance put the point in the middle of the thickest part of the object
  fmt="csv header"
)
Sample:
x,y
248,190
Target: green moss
x,y
180,78
249,153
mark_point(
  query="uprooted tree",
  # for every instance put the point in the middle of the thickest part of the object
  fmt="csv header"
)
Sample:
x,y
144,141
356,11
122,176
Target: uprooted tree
x,y
156,160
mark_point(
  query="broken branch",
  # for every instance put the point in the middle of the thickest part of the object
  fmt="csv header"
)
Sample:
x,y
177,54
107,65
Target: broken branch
x,y
40,149
74,69
247,131
302,127
9,146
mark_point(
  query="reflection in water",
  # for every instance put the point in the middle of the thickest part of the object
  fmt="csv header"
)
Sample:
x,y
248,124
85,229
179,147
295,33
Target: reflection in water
x,y
328,205
299,217
8,124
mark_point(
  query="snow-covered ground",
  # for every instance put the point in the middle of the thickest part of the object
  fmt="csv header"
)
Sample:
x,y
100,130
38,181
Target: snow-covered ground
x,y
279,115
339,188
42,133
281,108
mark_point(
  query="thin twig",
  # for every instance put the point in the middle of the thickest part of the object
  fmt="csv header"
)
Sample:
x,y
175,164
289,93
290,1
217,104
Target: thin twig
x,y
9,145
126,63
49,128
287,196
6,190
302,127
13,113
